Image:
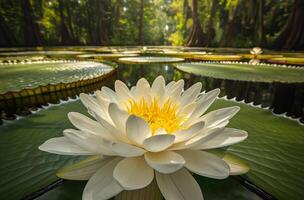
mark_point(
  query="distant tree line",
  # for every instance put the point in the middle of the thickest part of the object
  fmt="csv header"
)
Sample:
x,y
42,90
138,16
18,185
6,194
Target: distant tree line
x,y
277,24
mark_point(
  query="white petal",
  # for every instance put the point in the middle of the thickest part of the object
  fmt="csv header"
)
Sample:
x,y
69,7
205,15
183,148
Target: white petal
x,y
158,86
102,100
165,162
89,142
205,164
118,116
184,135
187,110
175,90
109,93
103,185
204,102
63,146
126,150
115,134
219,118
228,137
137,129
169,85
122,91
82,170
92,104
179,185
142,89
158,143
190,94
202,136
237,165
86,124
133,173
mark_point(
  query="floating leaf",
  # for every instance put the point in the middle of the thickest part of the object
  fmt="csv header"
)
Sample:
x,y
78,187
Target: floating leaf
x,y
244,72
139,60
274,151
288,60
16,77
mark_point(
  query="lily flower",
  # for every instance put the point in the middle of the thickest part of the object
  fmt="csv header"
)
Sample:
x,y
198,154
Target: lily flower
x,y
148,132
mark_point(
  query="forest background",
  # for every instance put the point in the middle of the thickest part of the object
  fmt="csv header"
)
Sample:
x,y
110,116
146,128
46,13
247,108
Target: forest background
x,y
274,24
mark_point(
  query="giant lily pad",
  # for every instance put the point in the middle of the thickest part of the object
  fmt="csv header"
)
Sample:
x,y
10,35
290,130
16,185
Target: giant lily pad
x,y
245,72
24,169
287,60
215,57
15,77
261,56
274,150
141,60
107,56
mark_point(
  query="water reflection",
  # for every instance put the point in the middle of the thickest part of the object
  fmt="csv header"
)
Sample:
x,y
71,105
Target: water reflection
x,y
281,97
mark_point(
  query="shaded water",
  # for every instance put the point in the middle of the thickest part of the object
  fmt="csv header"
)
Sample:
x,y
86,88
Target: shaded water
x,y
281,97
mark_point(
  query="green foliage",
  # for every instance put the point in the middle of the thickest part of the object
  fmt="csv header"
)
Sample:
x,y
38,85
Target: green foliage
x,y
233,23
273,149
245,72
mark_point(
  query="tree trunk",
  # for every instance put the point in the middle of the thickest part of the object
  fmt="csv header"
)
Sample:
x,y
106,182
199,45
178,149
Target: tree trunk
x,y
70,25
102,28
32,34
196,37
186,13
141,24
7,36
230,28
292,35
91,38
261,31
211,32
66,38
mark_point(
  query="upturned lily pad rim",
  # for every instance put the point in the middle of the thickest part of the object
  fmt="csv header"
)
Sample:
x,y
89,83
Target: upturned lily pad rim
x,y
108,55
148,59
217,57
82,82
220,74
287,60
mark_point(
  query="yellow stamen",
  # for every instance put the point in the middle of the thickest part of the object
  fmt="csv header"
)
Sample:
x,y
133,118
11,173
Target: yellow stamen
x,y
157,116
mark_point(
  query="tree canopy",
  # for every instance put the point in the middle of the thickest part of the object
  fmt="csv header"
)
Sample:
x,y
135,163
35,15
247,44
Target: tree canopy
x,y
275,24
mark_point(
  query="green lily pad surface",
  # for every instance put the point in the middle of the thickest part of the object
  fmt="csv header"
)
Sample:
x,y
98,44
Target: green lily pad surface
x,y
274,150
228,189
244,72
14,77
217,57
107,55
58,52
141,60
24,169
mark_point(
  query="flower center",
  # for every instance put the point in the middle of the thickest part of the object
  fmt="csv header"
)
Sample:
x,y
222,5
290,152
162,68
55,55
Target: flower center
x,y
157,116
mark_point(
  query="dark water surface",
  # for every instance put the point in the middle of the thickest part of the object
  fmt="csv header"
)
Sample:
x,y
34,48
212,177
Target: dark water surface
x,y
281,97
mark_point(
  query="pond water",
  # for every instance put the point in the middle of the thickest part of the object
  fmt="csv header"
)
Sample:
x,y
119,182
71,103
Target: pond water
x,y
285,98
281,97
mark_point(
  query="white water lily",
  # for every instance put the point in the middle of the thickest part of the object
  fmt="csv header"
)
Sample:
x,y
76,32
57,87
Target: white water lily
x,y
256,51
148,132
